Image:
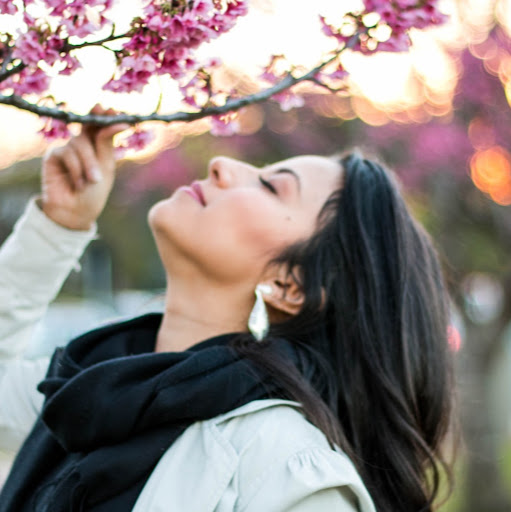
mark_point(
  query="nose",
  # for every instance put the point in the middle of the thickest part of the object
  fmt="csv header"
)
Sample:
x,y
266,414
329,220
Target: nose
x,y
226,172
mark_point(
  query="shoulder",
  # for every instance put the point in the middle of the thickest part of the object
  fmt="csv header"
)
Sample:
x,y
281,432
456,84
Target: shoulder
x,y
284,456
263,455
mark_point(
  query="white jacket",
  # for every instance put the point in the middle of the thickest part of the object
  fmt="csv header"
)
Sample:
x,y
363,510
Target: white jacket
x,y
263,456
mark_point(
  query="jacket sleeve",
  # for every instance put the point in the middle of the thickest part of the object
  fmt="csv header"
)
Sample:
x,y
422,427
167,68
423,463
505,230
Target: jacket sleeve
x,y
34,263
327,500
314,479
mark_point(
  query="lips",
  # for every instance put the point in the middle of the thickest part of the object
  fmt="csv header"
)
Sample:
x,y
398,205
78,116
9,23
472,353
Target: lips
x,y
197,189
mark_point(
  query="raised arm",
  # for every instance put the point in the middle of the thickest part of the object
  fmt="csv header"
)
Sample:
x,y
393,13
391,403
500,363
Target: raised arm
x,y
50,237
36,258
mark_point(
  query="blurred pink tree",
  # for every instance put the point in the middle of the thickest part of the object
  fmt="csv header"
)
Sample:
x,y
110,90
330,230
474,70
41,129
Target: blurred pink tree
x,y
449,160
475,139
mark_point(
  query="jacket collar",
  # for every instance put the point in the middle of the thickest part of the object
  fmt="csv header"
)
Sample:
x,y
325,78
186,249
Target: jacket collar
x,y
255,405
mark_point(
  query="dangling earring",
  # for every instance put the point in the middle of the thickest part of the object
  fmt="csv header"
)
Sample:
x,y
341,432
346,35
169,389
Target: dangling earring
x,y
258,322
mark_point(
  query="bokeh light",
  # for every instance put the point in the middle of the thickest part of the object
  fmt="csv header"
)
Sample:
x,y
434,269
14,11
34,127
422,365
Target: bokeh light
x,y
490,170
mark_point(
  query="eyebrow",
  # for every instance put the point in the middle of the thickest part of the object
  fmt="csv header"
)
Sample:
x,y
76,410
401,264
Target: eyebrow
x,y
293,173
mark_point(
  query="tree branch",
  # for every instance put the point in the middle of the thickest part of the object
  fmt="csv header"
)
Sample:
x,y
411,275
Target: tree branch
x,y
230,105
6,73
6,60
328,87
68,47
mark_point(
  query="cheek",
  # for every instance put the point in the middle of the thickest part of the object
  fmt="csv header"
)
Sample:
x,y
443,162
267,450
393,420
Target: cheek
x,y
251,225
231,239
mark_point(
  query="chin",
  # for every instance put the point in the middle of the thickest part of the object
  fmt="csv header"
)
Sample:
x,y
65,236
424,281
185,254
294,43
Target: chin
x,y
152,215
170,225
163,213
161,219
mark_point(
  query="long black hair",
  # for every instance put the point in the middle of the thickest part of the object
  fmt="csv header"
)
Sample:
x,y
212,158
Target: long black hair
x,y
374,324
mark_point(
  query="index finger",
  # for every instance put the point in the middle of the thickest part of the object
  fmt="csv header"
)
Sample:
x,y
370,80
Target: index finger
x,y
91,130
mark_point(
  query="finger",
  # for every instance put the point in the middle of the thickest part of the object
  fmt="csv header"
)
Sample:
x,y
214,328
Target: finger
x,y
72,166
90,130
83,147
108,132
104,138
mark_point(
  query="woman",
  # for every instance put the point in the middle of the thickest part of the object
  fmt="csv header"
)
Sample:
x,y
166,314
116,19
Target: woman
x,y
341,406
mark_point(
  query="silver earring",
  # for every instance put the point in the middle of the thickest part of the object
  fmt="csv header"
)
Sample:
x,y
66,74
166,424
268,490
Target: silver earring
x,y
258,322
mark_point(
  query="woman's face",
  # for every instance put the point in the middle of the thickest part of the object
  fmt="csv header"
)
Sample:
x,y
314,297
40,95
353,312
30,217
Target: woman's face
x,y
246,216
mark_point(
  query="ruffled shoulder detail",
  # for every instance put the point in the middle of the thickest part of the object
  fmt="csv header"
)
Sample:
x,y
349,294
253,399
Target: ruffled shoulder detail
x,y
318,468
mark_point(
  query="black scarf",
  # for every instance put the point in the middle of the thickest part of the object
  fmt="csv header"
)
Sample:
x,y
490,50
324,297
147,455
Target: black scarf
x,y
113,407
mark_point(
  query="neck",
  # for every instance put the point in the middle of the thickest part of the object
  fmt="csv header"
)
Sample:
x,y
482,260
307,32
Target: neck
x,y
195,311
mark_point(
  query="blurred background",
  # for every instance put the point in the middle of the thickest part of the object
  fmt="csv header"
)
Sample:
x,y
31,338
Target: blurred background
x,y
439,116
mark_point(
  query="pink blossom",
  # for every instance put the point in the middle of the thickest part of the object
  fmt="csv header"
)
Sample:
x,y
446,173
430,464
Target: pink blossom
x,y
82,18
190,90
56,7
76,12
398,42
79,27
8,7
225,125
138,140
270,76
137,72
212,62
76,8
375,5
32,47
53,45
157,20
405,4
338,73
271,73
55,4
28,48
27,81
170,40
175,67
203,7
288,100
327,29
331,31
140,63
141,41
29,20
127,82
36,81
196,31
399,15
71,64
405,14
54,129
236,8
191,100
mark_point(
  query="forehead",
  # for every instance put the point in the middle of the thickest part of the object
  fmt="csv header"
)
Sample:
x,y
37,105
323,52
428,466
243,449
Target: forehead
x,y
310,166
318,174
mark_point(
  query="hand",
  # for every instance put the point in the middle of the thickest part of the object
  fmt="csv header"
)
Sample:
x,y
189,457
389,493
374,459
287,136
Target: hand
x,y
77,178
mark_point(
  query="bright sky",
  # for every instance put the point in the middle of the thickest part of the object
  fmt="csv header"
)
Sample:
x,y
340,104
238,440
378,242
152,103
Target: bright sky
x,y
271,27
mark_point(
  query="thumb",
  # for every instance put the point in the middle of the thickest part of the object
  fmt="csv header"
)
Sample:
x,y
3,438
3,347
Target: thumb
x,y
104,137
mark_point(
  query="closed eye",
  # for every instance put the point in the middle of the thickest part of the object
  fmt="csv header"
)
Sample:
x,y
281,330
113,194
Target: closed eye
x,y
268,185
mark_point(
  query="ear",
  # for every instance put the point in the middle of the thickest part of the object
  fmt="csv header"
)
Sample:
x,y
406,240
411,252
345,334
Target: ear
x,y
286,296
